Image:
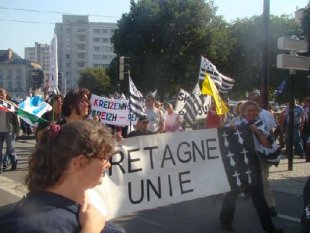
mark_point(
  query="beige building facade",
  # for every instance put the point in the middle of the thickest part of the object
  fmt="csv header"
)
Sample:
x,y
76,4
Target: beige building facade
x,y
16,74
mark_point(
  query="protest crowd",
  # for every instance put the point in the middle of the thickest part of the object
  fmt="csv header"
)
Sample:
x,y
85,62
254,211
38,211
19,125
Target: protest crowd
x,y
73,150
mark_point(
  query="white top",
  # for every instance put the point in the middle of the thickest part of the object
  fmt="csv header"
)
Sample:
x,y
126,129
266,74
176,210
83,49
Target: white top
x,y
155,117
268,119
172,122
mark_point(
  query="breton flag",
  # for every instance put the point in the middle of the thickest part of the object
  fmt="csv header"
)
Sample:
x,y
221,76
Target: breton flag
x,y
175,167
239,157
223,83
136,102
193,106
208,88
53,75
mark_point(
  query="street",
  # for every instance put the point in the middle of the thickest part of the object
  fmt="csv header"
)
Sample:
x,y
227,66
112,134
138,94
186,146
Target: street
x,y
200,215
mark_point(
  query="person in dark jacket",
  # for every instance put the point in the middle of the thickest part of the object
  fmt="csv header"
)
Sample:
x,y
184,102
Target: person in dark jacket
x,y
141,127
68,161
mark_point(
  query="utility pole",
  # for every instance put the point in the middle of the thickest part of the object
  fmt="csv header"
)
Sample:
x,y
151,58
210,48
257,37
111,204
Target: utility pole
x,y
265,58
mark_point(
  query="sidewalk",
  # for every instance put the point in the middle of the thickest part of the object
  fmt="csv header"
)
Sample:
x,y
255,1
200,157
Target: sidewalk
x,y
292,182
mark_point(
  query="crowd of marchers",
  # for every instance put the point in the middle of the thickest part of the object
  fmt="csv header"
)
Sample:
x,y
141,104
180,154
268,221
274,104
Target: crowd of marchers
x,y
68,147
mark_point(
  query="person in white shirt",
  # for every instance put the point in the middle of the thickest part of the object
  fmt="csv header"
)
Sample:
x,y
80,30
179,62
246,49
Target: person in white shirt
x,y
269,123
155,116
173,121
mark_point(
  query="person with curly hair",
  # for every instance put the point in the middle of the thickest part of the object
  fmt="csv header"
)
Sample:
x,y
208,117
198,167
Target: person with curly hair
x,y
67,162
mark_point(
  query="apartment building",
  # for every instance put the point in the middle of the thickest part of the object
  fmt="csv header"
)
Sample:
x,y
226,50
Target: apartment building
x,y
40,54
82,44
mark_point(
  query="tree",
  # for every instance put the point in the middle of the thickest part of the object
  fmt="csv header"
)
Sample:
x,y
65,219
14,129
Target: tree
x,y
245,60
306,26
96,80
165,39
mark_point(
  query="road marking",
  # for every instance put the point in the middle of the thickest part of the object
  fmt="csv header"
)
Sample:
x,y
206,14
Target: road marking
x,y
19,190
293,219
11,186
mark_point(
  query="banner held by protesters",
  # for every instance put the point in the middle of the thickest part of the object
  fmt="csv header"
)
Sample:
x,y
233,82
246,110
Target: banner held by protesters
x,y
158,170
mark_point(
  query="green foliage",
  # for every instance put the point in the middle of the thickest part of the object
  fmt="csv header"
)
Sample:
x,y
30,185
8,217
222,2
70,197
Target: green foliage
x,y
96,80
306,23
306,27
165,39
246,58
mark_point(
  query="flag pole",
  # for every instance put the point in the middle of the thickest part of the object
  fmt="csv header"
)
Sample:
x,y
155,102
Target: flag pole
x,y
130,119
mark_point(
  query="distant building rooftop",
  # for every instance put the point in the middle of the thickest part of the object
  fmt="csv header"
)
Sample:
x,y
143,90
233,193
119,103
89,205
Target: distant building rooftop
x,y
9,57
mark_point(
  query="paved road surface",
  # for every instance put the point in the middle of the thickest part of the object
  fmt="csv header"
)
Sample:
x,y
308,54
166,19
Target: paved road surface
x,y
197,216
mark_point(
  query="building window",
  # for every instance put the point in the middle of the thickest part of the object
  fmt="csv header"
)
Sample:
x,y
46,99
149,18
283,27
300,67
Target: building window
x,y
68,56
68,65
18,74
81,55
105,40
81,30
81,46
96,31
9,76
99,65
96,39
81,38
81,64
1,76
10,86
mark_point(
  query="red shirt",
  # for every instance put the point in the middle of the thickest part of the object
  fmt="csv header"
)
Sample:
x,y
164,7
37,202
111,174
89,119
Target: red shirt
x,y
213,120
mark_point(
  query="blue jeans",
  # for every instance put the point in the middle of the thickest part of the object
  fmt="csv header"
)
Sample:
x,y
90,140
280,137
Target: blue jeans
x,y
9,138
297,140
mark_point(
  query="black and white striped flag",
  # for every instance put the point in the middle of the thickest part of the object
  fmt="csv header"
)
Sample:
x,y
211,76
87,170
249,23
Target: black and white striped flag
x,y
223,83
136,101
196,105
193,107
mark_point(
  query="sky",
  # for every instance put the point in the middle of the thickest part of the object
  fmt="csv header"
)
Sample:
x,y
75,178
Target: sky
x,y
24,22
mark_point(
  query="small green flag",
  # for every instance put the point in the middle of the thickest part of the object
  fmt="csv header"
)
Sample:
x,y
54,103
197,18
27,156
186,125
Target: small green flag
x,y
29,118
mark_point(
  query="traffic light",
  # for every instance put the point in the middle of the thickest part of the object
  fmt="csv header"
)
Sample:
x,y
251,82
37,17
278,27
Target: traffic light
x,y
60,81
121,68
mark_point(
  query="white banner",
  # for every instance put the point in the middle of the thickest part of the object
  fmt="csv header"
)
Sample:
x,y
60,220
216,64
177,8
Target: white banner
x,y
182,98
112,111
53,75
162,169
